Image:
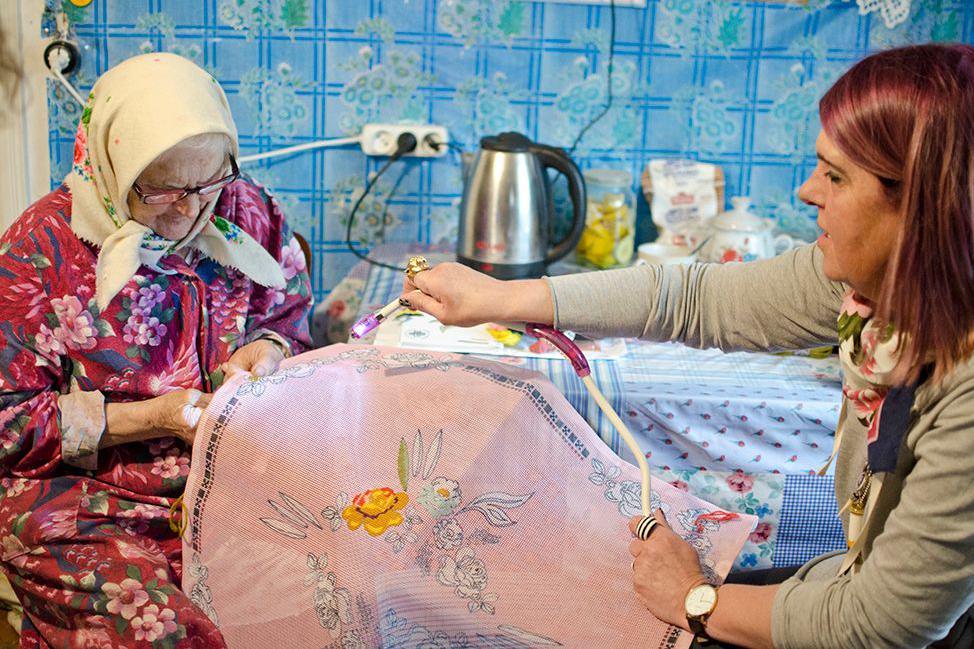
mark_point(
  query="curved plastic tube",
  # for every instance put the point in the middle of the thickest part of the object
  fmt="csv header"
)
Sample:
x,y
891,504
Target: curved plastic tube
x,y
564,345
580,364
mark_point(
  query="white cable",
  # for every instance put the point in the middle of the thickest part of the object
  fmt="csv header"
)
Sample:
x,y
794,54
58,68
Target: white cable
x,y
67,85
319,144
610,412
60,62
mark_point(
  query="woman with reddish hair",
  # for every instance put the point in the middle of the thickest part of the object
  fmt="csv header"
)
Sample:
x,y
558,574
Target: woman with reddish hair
x,y
891,280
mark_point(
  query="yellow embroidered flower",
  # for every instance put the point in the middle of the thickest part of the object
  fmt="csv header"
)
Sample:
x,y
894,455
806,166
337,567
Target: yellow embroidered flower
x,y
376,510
504,336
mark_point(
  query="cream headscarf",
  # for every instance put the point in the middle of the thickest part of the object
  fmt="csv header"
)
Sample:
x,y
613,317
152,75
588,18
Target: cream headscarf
x,y
135,112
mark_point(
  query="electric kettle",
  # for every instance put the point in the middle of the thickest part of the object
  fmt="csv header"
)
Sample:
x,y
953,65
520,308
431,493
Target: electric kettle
x,y
506,210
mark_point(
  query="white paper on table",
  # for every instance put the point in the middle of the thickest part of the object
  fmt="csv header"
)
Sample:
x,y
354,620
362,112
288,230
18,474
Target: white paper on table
x,y
422,331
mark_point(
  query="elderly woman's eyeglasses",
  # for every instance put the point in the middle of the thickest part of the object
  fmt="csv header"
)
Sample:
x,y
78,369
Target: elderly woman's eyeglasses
x,y
174,195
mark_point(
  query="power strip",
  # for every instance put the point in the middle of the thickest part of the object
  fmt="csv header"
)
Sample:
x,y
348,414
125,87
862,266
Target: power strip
x,y
380,139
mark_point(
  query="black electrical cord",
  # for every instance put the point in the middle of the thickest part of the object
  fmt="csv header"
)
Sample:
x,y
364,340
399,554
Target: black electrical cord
x,y
389,197
404,144
608,89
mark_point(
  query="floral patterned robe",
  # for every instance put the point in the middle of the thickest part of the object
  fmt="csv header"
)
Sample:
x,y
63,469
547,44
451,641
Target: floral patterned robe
x,y
90,553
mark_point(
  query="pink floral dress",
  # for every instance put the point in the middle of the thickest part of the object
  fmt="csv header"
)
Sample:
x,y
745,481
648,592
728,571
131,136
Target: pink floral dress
x,y
86,541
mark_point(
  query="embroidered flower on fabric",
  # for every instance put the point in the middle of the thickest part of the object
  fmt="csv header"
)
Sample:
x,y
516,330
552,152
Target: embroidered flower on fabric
x,y
333,605
699,521
200,593
60,524
47,343
124,598
147,512
156,242
441,497
852,319
740,482
292,259
630,498
76,326
376,510
352,640
13,486
144,331
257,385
761,533
867,403
147,297
139,548
230,231
465,572
154,624
173,465
275,297
448,534
467,575
81,163
80,145
9,439
333,513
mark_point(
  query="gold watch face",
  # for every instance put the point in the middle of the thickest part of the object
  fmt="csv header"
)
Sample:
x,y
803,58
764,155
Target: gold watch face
x,y
701,600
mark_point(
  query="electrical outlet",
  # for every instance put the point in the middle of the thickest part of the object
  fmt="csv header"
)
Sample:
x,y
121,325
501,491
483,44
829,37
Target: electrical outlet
x,y
380,139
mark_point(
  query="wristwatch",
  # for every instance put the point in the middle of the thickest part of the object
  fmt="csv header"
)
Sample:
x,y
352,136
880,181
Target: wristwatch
x,y
700,602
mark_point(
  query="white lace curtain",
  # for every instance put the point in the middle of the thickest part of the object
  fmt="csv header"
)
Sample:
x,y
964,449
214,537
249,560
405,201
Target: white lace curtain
x,y
893,12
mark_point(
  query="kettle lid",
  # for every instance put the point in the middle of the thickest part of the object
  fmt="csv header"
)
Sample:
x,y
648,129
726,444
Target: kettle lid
x,y
510,142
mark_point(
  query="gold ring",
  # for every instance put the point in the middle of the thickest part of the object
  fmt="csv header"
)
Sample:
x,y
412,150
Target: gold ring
x,y
416,265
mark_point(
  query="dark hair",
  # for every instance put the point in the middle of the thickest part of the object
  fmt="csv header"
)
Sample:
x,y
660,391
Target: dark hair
x,y
906,115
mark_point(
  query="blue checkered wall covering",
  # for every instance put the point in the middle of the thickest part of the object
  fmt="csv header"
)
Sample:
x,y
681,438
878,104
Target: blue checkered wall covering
x,y
735,83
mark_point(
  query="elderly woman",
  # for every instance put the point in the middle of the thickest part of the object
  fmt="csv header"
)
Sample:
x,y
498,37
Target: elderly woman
x,y
894,269
126,295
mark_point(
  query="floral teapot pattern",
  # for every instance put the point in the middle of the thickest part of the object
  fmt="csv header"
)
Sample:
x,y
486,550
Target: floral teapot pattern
x,y
739,235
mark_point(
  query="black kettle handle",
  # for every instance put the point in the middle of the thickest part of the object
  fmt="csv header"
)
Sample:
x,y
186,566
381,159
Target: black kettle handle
x,y
558,160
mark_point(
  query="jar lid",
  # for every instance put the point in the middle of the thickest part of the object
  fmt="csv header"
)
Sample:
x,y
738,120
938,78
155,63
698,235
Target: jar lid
x,y
609,177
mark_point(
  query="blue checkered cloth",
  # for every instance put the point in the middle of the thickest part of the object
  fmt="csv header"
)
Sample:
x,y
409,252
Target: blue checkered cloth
x,y
809,523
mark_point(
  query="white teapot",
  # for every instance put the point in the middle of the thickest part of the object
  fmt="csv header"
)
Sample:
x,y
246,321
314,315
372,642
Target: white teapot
x,y
739,235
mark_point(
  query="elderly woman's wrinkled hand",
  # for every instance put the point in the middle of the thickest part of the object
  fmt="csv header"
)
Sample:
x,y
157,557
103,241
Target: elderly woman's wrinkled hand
x,y
665,568
260,358
177,413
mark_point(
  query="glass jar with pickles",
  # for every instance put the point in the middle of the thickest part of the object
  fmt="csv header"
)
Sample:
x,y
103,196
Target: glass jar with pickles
x,y
608,240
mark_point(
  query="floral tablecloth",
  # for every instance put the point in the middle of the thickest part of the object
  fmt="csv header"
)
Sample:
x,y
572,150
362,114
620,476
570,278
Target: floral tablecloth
x,y
744,431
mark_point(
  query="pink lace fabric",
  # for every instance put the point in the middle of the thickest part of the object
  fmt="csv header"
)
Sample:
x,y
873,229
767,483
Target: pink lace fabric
x,y
371,497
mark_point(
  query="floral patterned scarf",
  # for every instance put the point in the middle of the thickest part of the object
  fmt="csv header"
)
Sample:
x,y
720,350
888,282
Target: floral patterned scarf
x,y
868,355
135,112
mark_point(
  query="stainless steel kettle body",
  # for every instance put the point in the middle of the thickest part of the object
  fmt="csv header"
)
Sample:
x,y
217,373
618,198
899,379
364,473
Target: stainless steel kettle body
x,y
506,210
